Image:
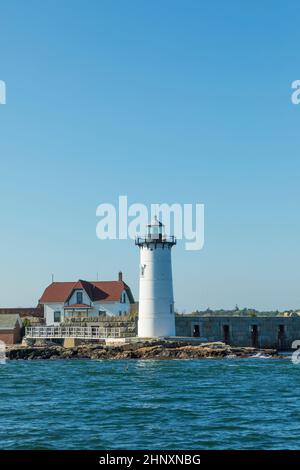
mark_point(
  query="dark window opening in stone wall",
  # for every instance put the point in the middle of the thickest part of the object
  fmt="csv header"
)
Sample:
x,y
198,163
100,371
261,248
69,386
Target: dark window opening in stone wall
x,y
196,331
281,330
226,334
254,336
281,337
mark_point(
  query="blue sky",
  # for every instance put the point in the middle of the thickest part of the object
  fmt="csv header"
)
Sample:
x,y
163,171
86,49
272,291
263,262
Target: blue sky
x,y
167,101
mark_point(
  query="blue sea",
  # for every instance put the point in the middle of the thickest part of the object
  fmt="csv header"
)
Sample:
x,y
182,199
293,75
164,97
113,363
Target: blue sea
x,y
192,404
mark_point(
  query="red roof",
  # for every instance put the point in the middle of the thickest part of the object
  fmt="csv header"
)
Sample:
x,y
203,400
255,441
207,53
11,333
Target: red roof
x,y
105,291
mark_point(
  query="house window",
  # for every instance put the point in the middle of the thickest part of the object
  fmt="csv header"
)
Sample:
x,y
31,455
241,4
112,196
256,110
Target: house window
x,y
120,313
79,298
57,316
102,313
123,298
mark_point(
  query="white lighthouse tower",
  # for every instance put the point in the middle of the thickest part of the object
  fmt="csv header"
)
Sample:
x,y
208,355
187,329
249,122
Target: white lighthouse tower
x,y
156,302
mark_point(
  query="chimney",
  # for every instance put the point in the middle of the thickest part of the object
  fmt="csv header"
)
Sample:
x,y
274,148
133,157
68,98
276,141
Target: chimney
x,y
120,276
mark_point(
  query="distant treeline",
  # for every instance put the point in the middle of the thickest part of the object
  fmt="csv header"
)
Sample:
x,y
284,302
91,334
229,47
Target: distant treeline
x,y
244,312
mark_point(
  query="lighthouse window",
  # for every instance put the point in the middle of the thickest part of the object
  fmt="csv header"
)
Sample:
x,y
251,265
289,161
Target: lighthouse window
x,y
171,308
143,269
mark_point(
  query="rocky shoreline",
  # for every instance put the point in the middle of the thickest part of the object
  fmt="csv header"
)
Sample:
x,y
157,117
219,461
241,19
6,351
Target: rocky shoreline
x,y
138,350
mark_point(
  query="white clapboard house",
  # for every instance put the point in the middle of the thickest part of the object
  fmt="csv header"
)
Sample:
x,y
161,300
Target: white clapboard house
x,y
84,299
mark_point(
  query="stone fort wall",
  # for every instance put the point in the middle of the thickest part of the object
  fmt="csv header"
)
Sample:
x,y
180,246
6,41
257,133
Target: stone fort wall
x,y
262,332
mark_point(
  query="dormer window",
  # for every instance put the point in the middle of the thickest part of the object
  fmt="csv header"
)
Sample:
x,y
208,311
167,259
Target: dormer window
x,y
79,297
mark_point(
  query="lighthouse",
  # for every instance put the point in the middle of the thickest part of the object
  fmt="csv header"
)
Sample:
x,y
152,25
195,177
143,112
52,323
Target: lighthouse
x,y
156,301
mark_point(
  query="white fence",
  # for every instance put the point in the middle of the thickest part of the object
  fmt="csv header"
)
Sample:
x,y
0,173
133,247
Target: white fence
x,y
81,332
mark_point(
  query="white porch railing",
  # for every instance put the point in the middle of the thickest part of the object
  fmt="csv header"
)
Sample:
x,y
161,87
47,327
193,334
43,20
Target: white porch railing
x,y
80,332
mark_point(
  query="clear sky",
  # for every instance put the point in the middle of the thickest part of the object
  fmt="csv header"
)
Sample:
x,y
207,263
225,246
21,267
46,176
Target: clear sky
x,y
162,101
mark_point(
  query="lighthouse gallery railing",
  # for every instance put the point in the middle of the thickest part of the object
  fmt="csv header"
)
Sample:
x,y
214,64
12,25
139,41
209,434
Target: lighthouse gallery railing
x,y
170,240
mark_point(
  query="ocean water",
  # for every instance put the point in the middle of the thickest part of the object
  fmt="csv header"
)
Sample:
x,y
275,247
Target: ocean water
x,y
192,404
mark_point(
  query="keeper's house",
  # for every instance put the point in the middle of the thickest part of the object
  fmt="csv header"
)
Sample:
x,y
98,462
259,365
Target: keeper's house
x,y
85,299
10,328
